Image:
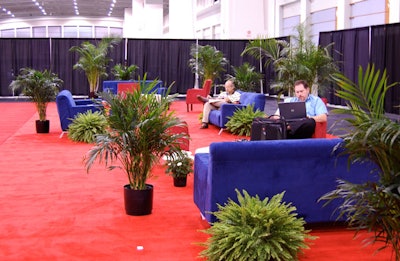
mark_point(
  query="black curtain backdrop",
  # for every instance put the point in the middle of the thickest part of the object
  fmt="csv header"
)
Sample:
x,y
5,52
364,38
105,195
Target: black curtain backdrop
x,y
167,59
164,59
350,49
385,54
19,53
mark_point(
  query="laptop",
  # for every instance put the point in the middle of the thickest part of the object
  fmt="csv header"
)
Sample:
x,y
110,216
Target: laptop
x,y
292,111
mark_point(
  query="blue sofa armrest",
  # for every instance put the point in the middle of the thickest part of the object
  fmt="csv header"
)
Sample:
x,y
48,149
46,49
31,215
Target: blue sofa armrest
x,y
84,108
162,91
200,180
227,110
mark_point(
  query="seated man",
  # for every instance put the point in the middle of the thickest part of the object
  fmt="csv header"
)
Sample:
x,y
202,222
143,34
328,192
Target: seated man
x,y
315,108
230,95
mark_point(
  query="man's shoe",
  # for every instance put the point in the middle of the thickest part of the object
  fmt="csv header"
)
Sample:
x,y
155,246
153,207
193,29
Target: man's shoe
x,y
204,125
202,99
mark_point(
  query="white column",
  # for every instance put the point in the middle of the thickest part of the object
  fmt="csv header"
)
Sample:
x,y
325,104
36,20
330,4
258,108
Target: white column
x,y
305,7
343,14
143,20
182,15
394,11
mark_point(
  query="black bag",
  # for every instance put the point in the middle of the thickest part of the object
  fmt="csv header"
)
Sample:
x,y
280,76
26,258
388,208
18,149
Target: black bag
x,y
268,129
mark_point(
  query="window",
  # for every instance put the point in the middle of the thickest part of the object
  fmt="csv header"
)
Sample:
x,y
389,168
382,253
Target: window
x,y
54,31
39,31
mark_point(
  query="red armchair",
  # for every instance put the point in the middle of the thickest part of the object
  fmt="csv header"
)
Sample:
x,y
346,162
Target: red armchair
x,y
191,94
320,127
184,143
320,130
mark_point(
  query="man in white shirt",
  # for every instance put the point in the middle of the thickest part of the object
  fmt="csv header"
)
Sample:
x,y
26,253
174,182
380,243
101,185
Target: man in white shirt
x,y
230,95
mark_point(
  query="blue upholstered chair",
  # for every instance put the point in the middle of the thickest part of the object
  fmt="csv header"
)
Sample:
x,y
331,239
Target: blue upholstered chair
x,y
68,108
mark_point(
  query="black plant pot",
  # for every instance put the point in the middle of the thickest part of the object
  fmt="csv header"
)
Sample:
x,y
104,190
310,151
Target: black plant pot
x,y
138,202
180,181
42,126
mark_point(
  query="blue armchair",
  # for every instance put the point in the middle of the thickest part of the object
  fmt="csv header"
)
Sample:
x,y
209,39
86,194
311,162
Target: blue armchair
x,y
68,108
220,117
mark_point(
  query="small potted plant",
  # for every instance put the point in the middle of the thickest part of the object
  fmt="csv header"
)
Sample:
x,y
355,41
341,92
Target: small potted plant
x,y
41,87
179,165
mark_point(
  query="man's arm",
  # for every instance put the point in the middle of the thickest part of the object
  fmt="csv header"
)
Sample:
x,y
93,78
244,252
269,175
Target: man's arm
x,y
320,118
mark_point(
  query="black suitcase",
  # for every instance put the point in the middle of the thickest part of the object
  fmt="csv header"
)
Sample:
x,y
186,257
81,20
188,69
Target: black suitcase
x,y
268,129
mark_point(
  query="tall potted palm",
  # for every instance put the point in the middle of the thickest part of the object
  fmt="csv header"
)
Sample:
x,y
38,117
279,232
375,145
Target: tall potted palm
x,y
41,87
207,61
137,138
93,60
299,59
372,137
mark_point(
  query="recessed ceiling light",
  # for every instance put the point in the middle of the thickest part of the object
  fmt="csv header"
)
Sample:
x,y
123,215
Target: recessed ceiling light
x,y
7,11
112,5
41,8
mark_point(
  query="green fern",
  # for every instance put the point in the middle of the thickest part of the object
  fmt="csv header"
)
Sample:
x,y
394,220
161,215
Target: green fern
x,y
240,122
255,229
86,126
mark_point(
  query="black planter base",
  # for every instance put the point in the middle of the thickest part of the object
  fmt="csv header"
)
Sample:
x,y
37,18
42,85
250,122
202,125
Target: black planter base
x,y
180,182
42,126
138,202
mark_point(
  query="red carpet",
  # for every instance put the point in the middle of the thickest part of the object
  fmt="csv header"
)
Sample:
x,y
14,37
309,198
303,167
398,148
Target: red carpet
x,y
51,209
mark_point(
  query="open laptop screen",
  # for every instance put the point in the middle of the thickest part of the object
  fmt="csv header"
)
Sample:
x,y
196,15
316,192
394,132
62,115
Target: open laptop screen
x,y
292,110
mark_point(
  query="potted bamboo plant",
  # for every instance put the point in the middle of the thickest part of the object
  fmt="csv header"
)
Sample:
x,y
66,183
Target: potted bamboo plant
x,y
137,138
41,87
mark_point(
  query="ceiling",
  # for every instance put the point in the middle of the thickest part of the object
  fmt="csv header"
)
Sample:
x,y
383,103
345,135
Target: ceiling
x,y
62,8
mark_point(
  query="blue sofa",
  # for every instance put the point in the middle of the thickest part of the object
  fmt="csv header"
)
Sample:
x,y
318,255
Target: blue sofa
x,y
112,86
220,117
68,107
306,169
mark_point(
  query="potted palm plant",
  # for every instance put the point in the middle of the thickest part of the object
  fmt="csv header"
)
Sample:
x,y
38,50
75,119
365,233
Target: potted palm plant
x,y
137,137
124,72
246,78
93,61
179,165
207,62
373,137
41,87
299,59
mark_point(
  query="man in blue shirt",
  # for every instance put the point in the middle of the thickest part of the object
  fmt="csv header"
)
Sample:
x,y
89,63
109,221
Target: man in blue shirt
x,y
315,108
